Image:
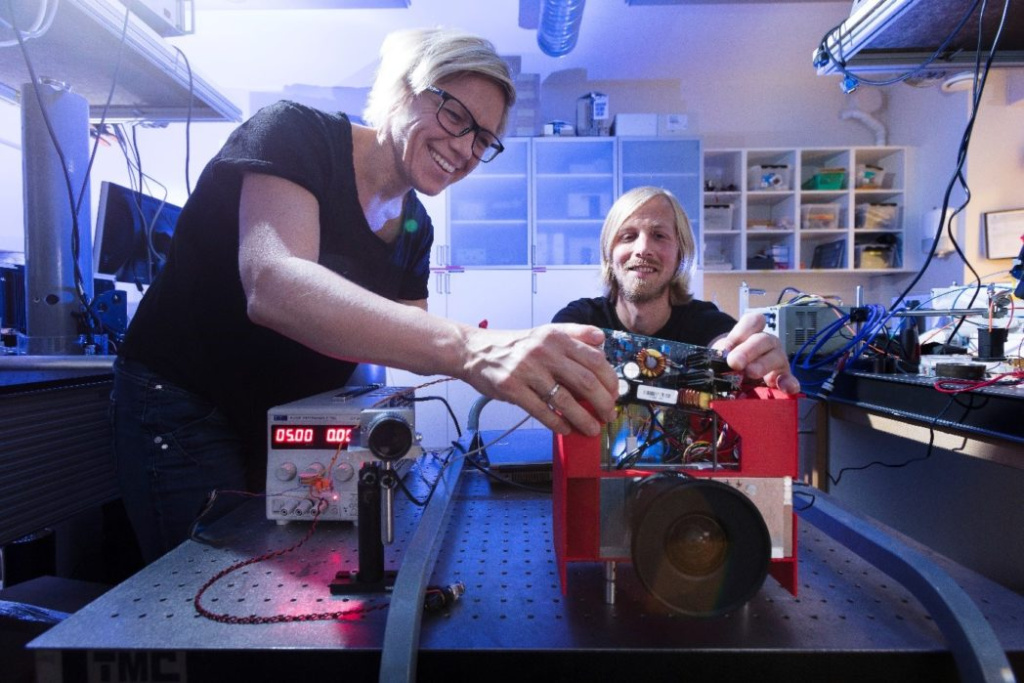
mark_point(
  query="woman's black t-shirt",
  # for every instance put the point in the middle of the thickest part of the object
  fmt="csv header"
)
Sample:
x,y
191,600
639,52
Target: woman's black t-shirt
x,y
191,326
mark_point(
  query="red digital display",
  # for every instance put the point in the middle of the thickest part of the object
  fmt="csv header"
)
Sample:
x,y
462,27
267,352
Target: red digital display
x,y
311,436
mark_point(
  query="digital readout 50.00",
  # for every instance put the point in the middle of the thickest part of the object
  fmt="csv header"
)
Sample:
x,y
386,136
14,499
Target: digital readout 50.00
x,y
311,436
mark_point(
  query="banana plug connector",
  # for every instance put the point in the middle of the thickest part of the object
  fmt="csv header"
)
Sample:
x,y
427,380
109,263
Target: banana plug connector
x,y
437,599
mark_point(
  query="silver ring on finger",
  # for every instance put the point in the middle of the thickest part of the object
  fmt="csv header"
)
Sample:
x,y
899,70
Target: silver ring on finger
x,y
551,395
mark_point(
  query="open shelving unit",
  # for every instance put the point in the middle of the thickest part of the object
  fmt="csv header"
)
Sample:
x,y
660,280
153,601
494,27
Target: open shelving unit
x,y
804,209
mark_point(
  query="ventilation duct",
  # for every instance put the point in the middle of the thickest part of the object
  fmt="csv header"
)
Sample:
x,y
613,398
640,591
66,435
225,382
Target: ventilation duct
x,y
559,26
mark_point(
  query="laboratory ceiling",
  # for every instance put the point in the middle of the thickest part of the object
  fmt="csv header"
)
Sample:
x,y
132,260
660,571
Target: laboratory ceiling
x,y
267,44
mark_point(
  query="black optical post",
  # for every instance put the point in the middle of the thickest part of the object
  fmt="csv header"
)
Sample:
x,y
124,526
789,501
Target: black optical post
x,y
371,576
389,437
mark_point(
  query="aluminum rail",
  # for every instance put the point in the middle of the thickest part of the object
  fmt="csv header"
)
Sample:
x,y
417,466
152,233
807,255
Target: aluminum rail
x,y
978,654
405,614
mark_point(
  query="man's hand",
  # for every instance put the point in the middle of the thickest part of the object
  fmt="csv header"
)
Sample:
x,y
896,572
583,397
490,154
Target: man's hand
x,y
549,371
758,354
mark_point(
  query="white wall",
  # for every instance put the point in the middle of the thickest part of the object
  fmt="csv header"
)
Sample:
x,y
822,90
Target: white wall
x,y
995,163
12,230
743,73
931,123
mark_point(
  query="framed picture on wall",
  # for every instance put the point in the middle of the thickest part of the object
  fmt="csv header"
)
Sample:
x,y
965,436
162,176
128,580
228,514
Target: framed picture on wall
x,y
1003,233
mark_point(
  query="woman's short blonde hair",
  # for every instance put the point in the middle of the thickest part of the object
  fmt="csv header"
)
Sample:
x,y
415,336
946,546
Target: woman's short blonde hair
x,y
624,207
412,59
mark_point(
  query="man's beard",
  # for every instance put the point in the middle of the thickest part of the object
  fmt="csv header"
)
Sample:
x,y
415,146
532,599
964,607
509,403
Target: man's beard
x,y
643,292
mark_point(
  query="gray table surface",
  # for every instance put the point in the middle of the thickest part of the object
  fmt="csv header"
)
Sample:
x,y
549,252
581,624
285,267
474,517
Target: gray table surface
x,y
849,619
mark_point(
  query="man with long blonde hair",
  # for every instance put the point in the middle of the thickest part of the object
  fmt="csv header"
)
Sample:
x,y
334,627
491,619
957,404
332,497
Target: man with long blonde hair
x,y
647,258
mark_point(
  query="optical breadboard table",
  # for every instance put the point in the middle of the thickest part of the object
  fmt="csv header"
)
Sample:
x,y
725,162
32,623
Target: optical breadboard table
x,y
850,621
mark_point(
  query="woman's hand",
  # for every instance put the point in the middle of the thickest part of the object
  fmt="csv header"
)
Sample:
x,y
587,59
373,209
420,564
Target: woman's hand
x,y
549,371
758,354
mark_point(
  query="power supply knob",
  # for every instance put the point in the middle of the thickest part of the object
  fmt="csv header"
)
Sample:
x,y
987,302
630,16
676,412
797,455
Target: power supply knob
x,y
313,470
286,471
344,472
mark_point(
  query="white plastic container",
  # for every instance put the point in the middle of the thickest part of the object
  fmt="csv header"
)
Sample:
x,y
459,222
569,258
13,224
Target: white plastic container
x,y
777,177
876,216
819,217
718,217
873,256
870,177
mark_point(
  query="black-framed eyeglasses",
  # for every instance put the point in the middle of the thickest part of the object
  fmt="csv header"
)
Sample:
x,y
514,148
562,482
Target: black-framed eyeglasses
x,y
456,120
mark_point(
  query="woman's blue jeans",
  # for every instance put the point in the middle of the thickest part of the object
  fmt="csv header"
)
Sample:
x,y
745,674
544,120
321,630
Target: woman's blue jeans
x,y
172,448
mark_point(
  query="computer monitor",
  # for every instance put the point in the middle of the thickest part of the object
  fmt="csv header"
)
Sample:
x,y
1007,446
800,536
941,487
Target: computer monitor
x,y
133,234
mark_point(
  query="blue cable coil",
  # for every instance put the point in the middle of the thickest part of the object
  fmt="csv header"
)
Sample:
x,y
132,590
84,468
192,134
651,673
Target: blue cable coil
x,y
876,321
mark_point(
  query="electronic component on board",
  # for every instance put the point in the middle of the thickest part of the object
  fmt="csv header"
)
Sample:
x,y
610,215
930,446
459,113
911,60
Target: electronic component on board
x,y
665,391
668,373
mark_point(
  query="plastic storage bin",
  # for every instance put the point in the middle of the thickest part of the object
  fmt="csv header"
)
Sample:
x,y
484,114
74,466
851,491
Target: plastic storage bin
x,y
819,217
876,216
876,256
769,177
718,217
826,179
870,177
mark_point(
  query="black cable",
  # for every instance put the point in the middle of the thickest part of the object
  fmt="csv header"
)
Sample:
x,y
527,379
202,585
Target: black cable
x,y
881,463
630,459
467,455
106,106
976,92
146,233
413,499
787,289
91,319
96,320
981,77
137,181
808,494
188,121
447,405
72,203
432,486
505,480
